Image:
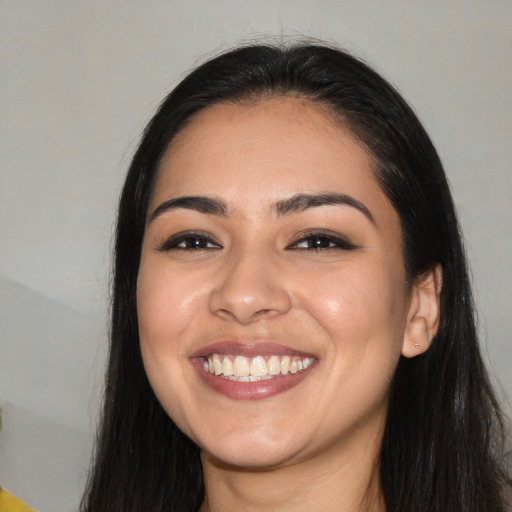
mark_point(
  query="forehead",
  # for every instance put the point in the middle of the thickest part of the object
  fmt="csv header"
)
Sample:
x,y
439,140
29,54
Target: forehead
x,y
265,150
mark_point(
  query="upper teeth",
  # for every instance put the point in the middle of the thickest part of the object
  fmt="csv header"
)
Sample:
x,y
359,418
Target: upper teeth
x,y
254,368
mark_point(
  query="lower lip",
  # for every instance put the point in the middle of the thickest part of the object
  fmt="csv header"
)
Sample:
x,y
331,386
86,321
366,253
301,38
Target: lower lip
x,y
256,390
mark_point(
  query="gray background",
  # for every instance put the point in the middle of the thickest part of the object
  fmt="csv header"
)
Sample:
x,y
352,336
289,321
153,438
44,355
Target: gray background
x,y
79,79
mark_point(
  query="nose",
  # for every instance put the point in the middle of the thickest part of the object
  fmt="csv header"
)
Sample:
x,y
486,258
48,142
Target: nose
x,y
250,289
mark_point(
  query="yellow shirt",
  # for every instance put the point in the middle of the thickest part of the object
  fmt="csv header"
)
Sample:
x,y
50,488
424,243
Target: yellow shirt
x,y
8,503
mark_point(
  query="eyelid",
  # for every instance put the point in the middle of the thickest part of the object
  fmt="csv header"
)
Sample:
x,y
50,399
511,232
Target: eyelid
x,y
172,242
341,242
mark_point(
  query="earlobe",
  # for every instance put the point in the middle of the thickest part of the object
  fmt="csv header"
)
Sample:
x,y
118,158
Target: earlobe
x,y
424,312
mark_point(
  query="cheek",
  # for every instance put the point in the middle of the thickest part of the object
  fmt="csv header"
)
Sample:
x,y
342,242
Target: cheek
x,y
166,304
165,314
166,309
354,295
363,311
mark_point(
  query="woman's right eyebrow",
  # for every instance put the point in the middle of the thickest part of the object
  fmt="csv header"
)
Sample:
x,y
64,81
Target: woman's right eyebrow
x,y
200,204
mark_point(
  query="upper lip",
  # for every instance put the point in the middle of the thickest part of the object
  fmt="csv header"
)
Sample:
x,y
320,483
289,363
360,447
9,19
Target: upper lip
x,y
250,348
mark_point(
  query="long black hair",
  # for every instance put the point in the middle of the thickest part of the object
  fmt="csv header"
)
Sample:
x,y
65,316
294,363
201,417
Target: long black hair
x,y
443,440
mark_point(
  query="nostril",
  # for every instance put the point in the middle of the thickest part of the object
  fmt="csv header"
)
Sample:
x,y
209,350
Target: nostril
x,y
264,312
246,316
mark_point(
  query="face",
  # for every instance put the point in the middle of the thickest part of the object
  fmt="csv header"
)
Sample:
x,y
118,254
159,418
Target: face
x,y
271,294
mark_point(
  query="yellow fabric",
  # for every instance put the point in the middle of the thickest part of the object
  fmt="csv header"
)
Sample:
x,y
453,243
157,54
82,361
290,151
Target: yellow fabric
x,y
8,503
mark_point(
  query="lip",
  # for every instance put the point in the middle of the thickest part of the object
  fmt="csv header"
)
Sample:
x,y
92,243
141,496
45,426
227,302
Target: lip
x,y
249,349
257,390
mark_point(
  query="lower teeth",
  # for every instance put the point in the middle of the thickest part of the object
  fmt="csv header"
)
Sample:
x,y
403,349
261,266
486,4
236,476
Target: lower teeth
x,y
247,379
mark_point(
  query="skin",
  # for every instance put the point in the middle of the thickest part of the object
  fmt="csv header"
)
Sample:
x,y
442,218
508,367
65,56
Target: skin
x,y
253,277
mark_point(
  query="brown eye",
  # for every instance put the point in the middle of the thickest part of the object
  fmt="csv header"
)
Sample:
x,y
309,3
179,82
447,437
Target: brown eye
x,y
190,242
321,241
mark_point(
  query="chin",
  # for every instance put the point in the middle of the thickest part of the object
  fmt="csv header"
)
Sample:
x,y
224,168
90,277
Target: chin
x,y
254,451
247,459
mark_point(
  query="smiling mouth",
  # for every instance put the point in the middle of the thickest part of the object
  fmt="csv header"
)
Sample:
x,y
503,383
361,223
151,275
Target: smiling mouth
x,y
251,369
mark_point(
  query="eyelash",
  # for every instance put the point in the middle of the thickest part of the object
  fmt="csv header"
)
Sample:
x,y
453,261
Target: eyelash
x,y
202,240
333,241
196,240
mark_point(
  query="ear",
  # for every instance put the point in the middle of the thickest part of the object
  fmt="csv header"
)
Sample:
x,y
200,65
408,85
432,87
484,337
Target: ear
x,y
424,312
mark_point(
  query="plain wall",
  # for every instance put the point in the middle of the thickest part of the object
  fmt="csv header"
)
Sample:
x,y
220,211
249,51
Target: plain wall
x,y
78,81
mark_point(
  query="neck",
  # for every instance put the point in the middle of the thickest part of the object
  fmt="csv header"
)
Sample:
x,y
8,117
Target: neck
x,y
342,479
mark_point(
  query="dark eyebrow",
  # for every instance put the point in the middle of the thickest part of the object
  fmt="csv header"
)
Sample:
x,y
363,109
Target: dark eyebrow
x,y
301,202
200,204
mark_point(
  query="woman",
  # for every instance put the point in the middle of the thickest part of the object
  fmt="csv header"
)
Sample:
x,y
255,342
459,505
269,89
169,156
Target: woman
x,y
292,320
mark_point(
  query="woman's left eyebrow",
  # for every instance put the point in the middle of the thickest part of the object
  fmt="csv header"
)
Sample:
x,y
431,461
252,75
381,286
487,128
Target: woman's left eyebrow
x,y
301,202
